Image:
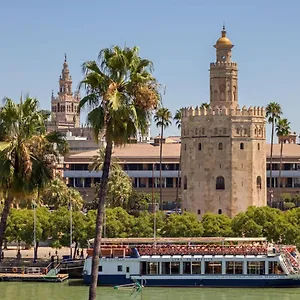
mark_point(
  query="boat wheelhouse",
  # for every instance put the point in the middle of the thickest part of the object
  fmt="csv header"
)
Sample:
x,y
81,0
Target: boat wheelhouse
x,y
197,262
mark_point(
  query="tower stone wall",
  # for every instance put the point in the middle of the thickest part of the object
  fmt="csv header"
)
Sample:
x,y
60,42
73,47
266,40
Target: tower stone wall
x,y
223,146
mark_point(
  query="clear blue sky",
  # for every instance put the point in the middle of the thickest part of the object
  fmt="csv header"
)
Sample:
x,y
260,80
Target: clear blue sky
x,y
178,36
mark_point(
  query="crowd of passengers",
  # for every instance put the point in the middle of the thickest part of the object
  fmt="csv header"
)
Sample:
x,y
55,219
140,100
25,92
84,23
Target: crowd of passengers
x,y
242,249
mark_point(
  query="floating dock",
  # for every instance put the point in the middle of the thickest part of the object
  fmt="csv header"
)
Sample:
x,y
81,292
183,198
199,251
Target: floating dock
x,y
33,277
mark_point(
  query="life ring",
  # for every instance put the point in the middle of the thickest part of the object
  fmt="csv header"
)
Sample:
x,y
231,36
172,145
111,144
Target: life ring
x,y
85,272
14,269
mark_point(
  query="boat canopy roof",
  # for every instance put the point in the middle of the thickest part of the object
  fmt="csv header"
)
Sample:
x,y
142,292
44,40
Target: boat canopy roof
x,y
179,240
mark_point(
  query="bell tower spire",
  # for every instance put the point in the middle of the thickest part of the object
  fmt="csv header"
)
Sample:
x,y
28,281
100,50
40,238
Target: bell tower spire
x,y
223,75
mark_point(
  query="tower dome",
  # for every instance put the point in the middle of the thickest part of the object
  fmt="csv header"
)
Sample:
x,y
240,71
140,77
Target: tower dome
x,y
223,41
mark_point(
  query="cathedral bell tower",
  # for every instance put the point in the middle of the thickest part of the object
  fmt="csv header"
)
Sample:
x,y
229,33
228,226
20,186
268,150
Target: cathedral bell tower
x,y
65,106
223,75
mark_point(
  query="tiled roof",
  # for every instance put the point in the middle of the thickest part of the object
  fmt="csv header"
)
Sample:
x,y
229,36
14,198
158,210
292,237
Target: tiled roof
x,y
173,151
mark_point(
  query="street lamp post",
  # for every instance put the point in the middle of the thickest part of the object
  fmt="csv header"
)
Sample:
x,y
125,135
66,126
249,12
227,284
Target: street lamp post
x,y
71,229
34,231
154,207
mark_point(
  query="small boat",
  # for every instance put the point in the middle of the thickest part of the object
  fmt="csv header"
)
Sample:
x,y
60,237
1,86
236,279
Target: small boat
x,y
196,262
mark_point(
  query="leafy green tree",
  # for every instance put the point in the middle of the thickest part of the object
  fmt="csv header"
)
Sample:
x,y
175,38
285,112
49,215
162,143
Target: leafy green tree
x,y
273,113
140,201
177,118
118,223
216,225
162,119
186,225
143,226
57,194
121,92
27,155
282,129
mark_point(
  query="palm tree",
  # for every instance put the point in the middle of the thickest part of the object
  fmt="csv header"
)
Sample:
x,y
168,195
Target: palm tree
x,y
282,129
98,159
163,119
273,113
177,119
27,156
204,105
121,93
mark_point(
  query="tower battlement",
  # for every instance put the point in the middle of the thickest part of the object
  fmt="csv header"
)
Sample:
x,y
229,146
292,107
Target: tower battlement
x,y
256,111
221,64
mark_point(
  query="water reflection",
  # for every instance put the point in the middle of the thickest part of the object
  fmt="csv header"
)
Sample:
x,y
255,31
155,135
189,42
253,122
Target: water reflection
x,y
71,290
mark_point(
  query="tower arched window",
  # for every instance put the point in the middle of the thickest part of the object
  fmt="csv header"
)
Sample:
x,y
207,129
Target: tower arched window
x,y
258,146
220,211
203,131
258,182
216,131
242,146
184,147
72,105
199,146
196,131
184,182
220,146
58,107
220,183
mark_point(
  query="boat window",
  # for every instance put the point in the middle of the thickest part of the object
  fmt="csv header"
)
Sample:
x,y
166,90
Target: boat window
x,y
275,267
152,268
213,267
256,267
120,268
196,267
143,268
186,267
127,270
165,267
234,267
100,269
175,267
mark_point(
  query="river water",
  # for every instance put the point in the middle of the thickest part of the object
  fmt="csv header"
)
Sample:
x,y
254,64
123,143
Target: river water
x,y
72,291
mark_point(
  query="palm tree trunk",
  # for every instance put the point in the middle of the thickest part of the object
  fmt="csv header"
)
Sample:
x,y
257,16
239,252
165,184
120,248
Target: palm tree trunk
x,y
160,167
178,178
99,220
7,205
271,160
280,164
36,250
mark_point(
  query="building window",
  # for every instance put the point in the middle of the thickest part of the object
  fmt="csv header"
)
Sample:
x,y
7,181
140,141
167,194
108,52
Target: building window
x,y
242,146
220,211
220,146
127,270
199,212
184,183
237,131
220,183
203,131
216,131
196,131
120,268
100,268
199,146
184,147
258,182
258,146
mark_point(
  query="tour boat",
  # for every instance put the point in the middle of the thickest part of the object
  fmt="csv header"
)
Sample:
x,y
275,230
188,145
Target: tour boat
x,y
196,262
